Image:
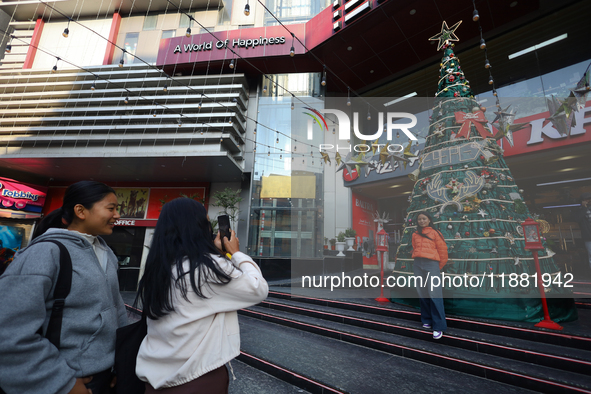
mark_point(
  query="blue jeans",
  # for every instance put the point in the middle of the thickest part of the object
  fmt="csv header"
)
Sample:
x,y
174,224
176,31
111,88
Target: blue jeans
x,y
431,299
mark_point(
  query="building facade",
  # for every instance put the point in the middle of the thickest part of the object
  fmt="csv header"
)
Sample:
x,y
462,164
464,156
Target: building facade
x,y
160,101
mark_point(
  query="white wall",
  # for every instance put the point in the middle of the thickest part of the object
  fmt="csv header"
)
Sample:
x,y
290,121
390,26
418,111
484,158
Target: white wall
x,y
82,47
337,198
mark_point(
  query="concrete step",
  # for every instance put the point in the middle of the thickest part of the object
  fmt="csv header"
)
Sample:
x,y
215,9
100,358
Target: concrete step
x,y
335,366
250,380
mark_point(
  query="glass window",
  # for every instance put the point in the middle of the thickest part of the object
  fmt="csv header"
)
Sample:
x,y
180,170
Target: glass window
x,y
130,45
168,33
283,226
293,11
225,15
150,22
184,21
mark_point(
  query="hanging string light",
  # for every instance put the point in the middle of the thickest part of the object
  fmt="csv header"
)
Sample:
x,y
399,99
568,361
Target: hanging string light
x,y
247,9
323,83
292,101
126,101
475,15
93,86
368,114
67,29
121,62
54,69
348,96
165,88
487,64
188,32
8,48
292,50
232,64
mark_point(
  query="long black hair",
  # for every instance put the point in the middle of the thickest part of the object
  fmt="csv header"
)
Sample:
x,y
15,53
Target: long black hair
x,y
86,193
420,229
182,232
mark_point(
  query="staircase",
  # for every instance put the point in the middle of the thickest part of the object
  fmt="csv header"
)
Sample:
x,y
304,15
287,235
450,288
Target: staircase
x,y
361,346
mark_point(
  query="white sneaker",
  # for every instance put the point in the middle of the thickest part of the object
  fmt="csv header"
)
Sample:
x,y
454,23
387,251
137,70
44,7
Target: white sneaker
x,y
427,326
437,334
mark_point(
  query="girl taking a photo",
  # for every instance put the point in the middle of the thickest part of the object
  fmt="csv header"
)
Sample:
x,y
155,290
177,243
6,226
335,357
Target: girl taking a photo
x,y
92,311
430,255
190,293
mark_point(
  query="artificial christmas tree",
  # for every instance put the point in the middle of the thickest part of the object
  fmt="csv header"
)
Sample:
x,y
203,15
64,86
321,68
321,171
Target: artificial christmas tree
x,y
464,182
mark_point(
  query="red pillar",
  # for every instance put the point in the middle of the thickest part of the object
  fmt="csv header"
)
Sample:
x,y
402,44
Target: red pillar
x,y
34,44
115,24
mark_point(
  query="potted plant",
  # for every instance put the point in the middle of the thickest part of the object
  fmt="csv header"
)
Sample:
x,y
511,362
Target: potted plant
x,y
332,241
325,242
350,238
229,200
341,244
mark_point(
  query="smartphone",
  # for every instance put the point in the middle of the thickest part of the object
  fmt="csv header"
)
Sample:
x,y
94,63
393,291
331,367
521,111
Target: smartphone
x,y
224,226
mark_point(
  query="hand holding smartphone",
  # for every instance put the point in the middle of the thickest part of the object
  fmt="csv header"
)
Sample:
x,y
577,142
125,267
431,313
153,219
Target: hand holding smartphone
x,y
224,227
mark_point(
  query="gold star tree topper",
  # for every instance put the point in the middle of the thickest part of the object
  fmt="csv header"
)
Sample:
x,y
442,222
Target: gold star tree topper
x,y
446,35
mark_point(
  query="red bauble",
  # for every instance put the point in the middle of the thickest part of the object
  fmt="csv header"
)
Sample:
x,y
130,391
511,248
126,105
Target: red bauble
x,y
491,231
456,94
481,157
451,78
467,233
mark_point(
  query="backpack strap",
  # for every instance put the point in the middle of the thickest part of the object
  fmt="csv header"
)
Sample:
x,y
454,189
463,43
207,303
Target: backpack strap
x,y
61,291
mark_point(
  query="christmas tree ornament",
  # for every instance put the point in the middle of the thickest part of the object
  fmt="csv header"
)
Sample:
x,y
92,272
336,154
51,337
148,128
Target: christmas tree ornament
x,y
467,120
457,236
562,117
486,234
450,227
494,251
581,91
517,261
467,233
503,121
480,229
482,213
519,230
492,231
446,35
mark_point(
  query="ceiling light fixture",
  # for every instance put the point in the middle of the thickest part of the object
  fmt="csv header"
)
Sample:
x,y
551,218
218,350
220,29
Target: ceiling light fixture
x,y
400,99
538,46
559,182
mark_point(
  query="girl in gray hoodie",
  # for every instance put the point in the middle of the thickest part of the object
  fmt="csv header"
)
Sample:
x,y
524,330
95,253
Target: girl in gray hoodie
x,y
93,309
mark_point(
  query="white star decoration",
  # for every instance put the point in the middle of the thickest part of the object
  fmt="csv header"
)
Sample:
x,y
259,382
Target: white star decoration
x,y
482,213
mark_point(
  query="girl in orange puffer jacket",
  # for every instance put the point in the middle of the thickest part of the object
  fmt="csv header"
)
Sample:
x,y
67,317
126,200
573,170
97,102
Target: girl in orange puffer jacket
x,y
430,255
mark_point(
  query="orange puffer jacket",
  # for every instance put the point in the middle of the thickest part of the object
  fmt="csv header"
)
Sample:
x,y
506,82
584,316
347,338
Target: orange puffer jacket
x,y
433,249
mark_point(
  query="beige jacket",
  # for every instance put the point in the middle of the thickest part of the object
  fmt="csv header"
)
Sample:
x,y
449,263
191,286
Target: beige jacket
x,y
201,334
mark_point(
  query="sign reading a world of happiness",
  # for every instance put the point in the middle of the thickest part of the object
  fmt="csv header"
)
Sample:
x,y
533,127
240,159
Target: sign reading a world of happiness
x,y
236,43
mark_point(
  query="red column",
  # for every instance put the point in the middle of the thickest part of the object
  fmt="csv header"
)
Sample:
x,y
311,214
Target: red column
x,y
34,44
115,24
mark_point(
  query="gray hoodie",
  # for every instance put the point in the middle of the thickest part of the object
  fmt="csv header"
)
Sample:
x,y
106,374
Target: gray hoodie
x,y
93,311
